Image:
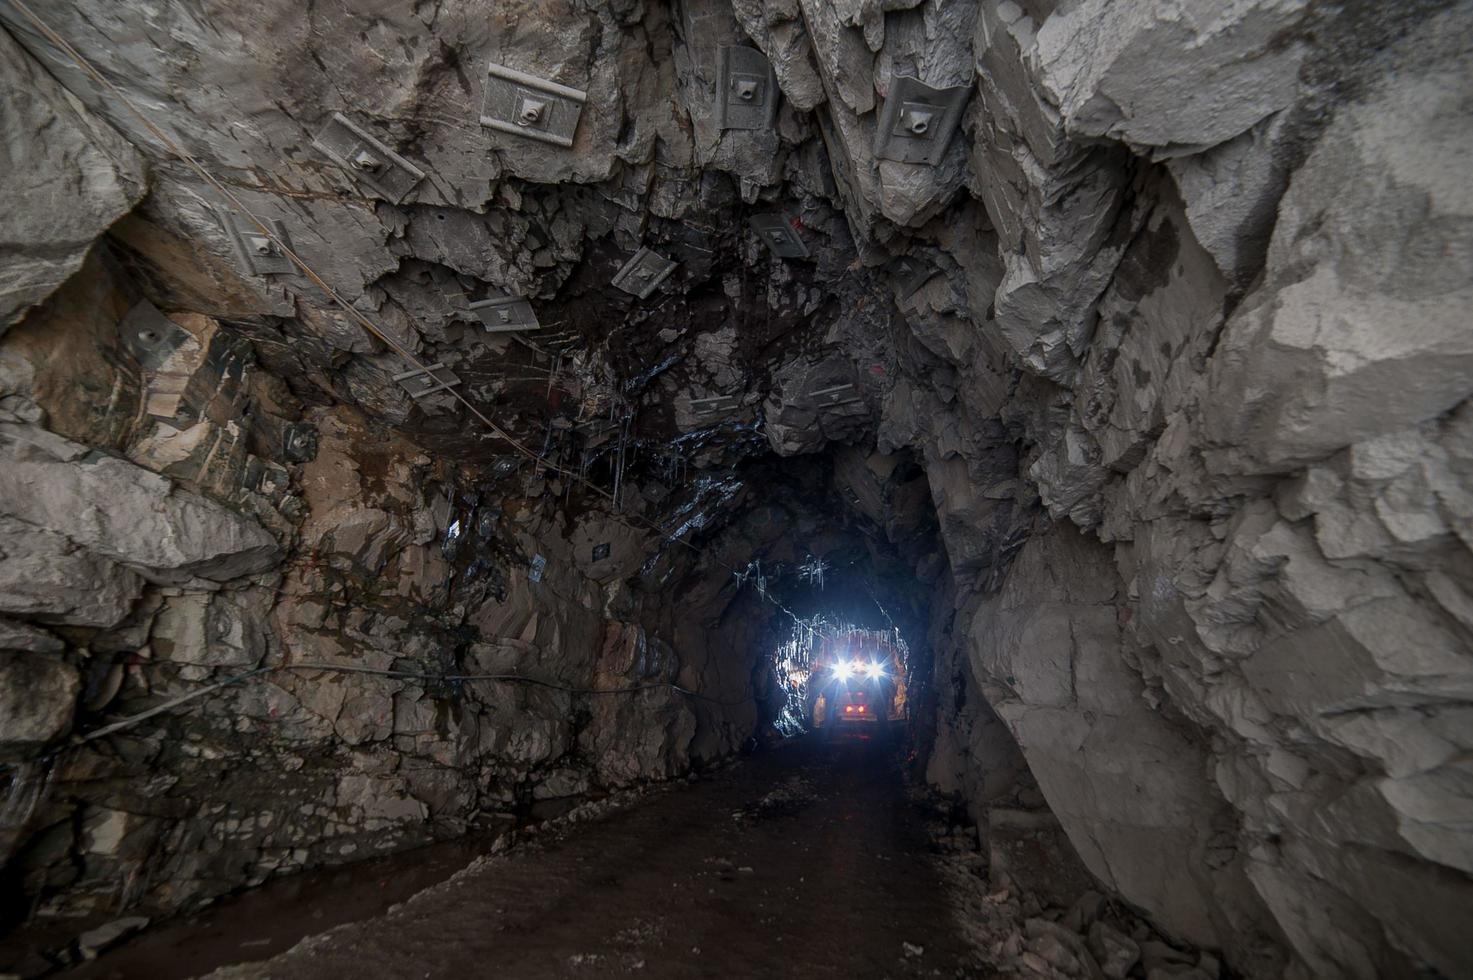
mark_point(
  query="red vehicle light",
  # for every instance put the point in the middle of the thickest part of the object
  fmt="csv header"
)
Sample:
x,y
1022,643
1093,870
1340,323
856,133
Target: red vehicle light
x,y
848,709
861,709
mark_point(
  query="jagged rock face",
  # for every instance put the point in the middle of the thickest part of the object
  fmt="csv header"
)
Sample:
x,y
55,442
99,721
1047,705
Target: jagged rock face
x,y
70,176
1149,380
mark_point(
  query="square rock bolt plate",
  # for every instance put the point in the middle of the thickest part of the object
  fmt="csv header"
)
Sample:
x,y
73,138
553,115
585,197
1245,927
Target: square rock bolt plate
x,y
366,159
431,379
746,89
257,253
834,397
526,105
535,567
715,405
778,233
150,336
643,274
505,314
601,551
299,443
917,121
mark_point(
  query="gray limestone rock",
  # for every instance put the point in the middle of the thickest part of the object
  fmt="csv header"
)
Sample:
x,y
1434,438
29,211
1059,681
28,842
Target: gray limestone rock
x,y
1309,349
1157,323
1115,952
22,636
38,697
1054,203
45,576
94,941
125,513
845,62
1050,649
67,177
1119,70
1232,194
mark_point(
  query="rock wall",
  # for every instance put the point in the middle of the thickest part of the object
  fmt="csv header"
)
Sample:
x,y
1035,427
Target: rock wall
x,y
1236,655
70,176
1159,333
167,554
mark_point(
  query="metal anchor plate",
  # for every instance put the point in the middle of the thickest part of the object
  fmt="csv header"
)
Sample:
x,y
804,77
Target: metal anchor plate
x,y
505,314
535,567
643,273
778,233
601,551
257,252
715,405
746,89
426,381
299,443
917,121
366,160
150,336
838,395
525,105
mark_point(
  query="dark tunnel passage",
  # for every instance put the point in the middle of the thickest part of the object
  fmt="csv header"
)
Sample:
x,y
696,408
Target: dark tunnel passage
x,y
554,488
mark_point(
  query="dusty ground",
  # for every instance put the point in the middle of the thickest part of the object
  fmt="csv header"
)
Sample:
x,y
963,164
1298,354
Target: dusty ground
x,y
813,860
806,862
798,863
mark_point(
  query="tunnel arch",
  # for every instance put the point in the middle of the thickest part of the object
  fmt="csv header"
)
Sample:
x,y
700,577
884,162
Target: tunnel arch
x,y
413,420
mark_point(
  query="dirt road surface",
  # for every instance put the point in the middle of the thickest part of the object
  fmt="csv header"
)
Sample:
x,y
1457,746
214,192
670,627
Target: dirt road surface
x,y
808,861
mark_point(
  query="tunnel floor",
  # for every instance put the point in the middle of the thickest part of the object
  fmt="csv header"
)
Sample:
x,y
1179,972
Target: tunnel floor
x,y
807,861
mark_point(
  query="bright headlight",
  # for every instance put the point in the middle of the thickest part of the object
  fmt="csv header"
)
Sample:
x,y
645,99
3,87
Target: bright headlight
x,y
842,670
875,671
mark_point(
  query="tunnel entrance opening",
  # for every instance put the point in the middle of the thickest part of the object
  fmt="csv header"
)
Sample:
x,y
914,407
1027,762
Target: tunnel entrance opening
x,y
829,673
860,678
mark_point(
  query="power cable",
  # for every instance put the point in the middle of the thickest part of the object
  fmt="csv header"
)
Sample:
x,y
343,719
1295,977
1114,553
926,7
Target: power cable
x,y
167,705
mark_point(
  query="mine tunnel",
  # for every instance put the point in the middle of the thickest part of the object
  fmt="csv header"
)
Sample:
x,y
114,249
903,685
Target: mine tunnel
x,y
736,488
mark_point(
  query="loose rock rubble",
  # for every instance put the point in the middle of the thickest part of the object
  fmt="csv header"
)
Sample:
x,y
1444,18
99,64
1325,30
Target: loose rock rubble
x,y
1016,930
786,800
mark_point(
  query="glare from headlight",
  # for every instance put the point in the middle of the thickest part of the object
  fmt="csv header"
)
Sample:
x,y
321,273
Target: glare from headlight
x,y
875,671
842,670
